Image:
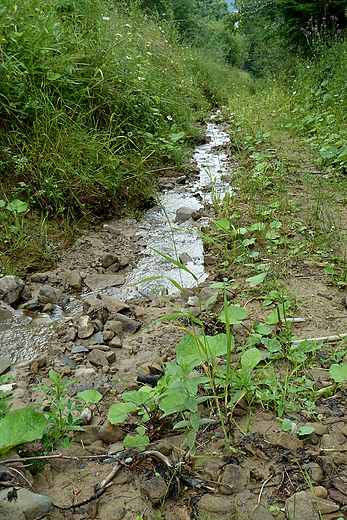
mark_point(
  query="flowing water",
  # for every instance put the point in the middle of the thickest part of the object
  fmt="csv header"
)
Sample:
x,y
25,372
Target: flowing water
x,y
25,338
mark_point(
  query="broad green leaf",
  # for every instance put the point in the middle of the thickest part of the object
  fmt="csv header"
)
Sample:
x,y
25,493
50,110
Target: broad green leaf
x,y
172,401
328,153
2,203
235,315
250,358
223,224
258,226
90,396
286,425
176,137
52,76
271,344
24,425
118,412
138,397
17,206
256,280
192,350
338,372
263,329
248,241
132,441
306,430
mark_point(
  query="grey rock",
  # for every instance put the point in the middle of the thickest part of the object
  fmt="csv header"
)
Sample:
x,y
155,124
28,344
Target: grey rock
x,y
74,280
115,342
85,327
129,325
89,436
332,441
285,440
91,305
86,415
183,214
108,259
235,477
10,289
111,229
108,335
26,294
111,357
124,261
32,305
98,282
39,277
315,472
112,304
155,489
78,349
67,361
217,507
185,258
97,358
260,513
5,364
319,428
6,313
84,373
98,338
299,507
324,506
30,505
209,259
115,326
49,294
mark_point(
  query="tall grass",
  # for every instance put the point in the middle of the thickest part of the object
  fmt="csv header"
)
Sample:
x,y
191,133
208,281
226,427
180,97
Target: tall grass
x,y
94,99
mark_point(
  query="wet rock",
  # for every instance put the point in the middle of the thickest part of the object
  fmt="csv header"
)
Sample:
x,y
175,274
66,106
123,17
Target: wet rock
x,y
78,349
32,305
6,313
185,258
49,294
67,361
5,364
27,505
129,325
154,489
74,279
196,215
112,304
300,507
85,327
108,259
111,433
124,261
10,289
97,357
217,507
183,214
98,282
234,479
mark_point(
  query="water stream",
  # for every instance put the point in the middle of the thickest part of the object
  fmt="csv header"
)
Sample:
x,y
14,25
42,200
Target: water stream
x,y
25,338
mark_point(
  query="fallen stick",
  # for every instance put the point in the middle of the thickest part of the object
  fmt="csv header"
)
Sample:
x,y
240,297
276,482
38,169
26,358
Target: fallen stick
x,y
323,338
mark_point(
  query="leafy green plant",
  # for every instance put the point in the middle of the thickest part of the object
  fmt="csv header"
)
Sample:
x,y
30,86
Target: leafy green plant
x,y
61,416
5,395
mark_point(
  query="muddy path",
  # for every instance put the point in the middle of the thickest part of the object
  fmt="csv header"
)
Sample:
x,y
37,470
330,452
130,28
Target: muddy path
x,y
78,320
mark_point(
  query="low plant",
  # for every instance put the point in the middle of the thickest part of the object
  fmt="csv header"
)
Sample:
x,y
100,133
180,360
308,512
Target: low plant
x,y
61,414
